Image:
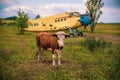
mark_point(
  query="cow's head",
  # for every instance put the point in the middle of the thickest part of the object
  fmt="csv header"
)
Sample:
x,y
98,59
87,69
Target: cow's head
x,y
61,36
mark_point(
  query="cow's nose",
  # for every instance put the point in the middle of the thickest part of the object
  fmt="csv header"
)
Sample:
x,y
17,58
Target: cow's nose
x,y
60,48
61,45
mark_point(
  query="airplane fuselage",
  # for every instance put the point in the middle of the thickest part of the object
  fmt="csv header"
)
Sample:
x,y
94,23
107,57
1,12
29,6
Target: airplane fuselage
x,y
56,22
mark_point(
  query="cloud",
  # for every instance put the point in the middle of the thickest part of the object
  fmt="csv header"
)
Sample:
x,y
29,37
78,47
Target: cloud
x,y
46,10
110,14
12,10
111,10
54,8
113,3
6,3
85,1
15,8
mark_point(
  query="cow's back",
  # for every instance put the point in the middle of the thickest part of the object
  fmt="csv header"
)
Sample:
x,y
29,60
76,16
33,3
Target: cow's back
x,y
46,40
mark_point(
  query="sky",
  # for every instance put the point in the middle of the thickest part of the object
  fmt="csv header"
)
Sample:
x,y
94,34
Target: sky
x,y
111,8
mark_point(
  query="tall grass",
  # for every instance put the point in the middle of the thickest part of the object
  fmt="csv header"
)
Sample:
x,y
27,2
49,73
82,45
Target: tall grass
x,y
93,45
82,59
114,71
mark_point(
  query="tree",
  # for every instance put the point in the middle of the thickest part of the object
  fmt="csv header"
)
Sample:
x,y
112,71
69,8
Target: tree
x,y
37,17
21,21
94,9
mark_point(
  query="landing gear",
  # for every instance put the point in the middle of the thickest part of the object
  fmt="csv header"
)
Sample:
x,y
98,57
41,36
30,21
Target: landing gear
x,y
76,31
71,33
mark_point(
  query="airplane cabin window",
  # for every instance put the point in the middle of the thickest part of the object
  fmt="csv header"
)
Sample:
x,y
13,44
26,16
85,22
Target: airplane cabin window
x,y
55,27
64,19
44,25
55,20
31,25
58,20
50,25
36,24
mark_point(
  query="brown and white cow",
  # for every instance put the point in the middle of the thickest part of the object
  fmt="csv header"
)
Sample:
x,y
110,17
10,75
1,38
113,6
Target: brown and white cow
x,y
54,42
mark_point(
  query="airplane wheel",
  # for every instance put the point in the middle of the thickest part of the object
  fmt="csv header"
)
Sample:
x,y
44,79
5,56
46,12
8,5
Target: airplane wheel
x,y
72,35
80,34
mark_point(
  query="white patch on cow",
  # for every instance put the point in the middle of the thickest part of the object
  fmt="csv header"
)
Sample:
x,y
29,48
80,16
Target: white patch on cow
x,y
61,43
38,57
61,38
54,56
59,57
59,54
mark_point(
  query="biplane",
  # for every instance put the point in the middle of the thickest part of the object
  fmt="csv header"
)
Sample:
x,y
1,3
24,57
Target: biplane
x,y
67,20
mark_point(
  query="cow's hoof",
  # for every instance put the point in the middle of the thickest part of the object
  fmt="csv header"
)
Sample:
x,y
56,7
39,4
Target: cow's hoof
x,y
54,65
60,64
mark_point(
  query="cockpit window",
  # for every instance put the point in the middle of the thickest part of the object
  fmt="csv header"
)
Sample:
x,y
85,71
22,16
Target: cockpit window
x,y
70,14
73,14
76,14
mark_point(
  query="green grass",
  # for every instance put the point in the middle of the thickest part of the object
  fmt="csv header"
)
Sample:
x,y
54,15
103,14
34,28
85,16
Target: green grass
x,y
79,62
108,28
8,21
113,29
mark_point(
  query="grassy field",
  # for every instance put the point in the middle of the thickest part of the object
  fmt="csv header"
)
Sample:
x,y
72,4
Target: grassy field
x,y
5,21
112,29
108,28
82,58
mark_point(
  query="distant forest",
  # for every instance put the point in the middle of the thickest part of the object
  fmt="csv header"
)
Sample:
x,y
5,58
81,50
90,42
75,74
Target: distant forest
x,y
9,18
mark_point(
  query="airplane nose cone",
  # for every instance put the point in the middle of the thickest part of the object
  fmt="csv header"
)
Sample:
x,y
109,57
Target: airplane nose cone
x,y
85,19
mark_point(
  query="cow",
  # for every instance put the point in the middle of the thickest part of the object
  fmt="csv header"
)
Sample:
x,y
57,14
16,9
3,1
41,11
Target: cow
x,y
53,42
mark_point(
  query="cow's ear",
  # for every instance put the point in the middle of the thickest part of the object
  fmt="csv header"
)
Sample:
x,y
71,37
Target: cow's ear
x,y
67,36
55,35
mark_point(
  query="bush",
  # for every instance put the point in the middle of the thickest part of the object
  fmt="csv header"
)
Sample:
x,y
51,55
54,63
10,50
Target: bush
x,y
21,21
92,44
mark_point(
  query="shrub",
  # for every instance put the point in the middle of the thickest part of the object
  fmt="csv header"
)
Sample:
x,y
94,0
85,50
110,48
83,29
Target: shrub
x,y
92,44
21,21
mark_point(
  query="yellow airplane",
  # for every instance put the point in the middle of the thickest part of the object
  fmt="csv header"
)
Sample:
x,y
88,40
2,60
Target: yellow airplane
x,y
67,20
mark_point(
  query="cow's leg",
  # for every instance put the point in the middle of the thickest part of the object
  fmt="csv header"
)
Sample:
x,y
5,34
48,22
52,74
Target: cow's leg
x,y
54,56
59,57
39,54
